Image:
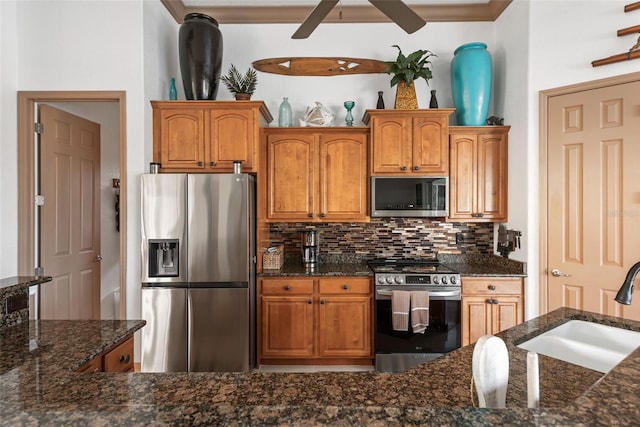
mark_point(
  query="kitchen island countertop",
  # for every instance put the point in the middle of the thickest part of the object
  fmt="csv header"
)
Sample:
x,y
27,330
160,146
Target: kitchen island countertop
x,y
38,386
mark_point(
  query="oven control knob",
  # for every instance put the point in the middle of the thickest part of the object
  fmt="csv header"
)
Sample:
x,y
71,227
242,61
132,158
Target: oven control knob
x,y
381,280
444,280
390,280
453,280
436,280
399,280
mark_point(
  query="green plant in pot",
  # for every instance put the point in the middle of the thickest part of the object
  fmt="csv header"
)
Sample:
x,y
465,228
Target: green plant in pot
x,y
242,86
405,70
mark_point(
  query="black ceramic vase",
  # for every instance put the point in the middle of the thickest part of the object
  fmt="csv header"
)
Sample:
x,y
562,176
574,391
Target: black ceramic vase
x,y
200,51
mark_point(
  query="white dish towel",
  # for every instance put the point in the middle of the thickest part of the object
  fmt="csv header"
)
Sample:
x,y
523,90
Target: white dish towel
x,y
419,311
400,302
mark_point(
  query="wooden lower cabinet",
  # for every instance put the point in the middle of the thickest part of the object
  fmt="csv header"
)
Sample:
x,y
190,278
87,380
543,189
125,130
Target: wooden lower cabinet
x,y
118,359
490,305
315,320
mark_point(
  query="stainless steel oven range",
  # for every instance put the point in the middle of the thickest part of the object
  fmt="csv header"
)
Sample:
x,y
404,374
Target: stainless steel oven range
x,y
399,350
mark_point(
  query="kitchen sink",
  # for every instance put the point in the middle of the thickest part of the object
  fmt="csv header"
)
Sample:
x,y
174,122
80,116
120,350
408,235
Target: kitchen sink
x,y
591,345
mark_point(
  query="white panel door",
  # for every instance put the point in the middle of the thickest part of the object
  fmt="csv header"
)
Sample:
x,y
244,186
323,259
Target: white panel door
x,y
593,197
70,179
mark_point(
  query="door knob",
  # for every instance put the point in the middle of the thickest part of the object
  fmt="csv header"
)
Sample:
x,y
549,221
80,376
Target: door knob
x,y
97,258
557,273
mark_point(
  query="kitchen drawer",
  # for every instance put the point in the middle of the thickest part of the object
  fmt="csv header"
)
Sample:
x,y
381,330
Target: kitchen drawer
x,y
491,286
120,359
287,287
345,286
93,365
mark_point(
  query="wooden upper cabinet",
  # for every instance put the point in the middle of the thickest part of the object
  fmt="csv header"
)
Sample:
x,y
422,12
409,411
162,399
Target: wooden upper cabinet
x,y
180,135
478,173
233,137
409,142
316,175
207,136
291,175
343,177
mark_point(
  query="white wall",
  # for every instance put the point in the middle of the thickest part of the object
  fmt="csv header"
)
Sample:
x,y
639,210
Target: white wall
x,y
244,44
8,137
511,61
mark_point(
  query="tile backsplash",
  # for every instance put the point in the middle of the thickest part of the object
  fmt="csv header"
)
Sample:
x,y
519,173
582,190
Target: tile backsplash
x,y
388,238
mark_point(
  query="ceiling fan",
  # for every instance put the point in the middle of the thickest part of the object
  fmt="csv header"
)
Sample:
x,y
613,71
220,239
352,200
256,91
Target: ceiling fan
x,y
397,11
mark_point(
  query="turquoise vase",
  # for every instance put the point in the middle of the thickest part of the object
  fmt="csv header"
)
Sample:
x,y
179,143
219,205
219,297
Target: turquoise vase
x,y
471,83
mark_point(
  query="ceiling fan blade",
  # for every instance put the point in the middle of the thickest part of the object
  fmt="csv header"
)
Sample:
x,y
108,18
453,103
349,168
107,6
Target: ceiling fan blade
x,y
401,14
314,19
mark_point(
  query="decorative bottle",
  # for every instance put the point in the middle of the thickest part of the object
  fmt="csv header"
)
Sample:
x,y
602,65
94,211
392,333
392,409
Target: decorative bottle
x,y
433,102
173,92
380,104
285,118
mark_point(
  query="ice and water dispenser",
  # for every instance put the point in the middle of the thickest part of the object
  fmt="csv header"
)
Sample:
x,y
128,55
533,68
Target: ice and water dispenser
x,y
164,257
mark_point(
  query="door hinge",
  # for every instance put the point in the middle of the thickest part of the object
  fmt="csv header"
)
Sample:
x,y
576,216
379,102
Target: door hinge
x,y
38,128
39,199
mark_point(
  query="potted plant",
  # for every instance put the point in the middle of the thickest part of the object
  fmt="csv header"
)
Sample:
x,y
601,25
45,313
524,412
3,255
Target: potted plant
x,y
405,70
242,86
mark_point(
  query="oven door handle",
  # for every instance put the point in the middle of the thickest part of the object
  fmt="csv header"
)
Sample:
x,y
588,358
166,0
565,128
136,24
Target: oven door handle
x,y
432,294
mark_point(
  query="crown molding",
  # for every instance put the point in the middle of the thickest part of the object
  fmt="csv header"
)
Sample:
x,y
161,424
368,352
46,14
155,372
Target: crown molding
x,y
455,12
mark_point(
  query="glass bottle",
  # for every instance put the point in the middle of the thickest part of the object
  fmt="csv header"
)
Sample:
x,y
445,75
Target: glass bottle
x,y
349,117
380,104
285,118
173,93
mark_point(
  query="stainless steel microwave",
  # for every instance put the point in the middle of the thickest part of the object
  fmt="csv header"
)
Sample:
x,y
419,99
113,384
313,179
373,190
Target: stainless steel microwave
x,y
425,196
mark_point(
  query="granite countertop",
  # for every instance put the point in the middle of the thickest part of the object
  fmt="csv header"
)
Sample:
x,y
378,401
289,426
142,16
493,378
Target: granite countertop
x,y
40,387
466,265
19,282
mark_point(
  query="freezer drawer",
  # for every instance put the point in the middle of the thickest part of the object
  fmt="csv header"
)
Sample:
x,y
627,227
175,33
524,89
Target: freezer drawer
x,y
164,337
219,334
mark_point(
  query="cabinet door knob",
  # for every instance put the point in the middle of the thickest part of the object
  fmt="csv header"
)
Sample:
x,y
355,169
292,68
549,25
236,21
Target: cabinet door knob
x,y
345,286
322,302
492,287
199,163
212,164
310,215
488,301
309,301
403,168
322,215
416,168
125,358
287,287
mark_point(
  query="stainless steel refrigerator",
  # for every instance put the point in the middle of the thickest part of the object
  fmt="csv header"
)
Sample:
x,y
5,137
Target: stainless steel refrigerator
x,y
198,278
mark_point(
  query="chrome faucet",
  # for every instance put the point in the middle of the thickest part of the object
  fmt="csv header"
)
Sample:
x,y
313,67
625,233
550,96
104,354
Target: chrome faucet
x,y
626,290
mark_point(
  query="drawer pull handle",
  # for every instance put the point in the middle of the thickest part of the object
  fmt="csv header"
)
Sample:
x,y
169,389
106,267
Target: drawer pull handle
x,y
492,287
345,286
125,358
287,287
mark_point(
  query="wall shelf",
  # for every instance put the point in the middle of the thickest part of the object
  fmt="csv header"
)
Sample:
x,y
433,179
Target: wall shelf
x,y
634,52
